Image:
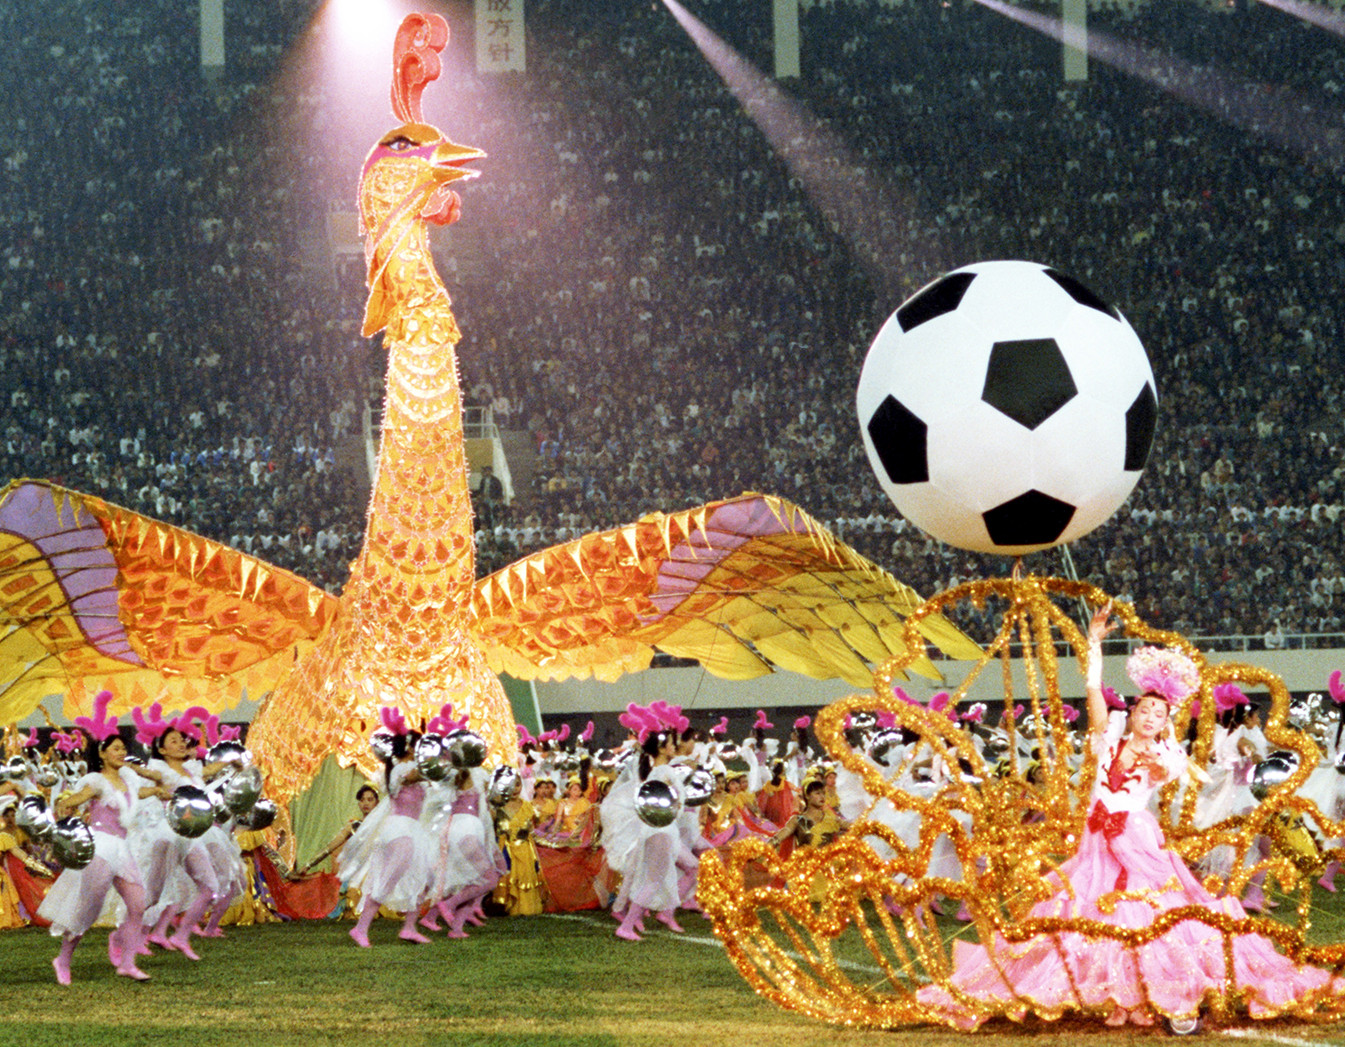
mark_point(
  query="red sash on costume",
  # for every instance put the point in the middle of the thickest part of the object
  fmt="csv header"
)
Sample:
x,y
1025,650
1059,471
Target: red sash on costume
x,y
1110,824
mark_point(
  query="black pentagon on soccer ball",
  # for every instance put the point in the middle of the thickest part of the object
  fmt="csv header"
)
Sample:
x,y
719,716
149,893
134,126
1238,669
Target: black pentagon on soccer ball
x,y
942,296
899,439
1032,518
1028,380
1141,417
1081,294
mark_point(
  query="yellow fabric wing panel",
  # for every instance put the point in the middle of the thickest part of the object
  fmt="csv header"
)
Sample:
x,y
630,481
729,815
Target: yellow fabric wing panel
x,y
742,585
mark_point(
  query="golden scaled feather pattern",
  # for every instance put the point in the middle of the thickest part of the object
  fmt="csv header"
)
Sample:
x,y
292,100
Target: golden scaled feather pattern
x,y
741,585
402,635
95,597
845,932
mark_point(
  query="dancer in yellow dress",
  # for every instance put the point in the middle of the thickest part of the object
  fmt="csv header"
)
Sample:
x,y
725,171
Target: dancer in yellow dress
x,y
520,890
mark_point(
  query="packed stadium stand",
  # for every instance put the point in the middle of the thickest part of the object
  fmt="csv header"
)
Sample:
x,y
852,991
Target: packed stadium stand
x,y
650,292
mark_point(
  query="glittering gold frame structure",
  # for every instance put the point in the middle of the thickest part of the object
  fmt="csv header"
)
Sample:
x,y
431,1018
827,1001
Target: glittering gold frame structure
x,y
813,935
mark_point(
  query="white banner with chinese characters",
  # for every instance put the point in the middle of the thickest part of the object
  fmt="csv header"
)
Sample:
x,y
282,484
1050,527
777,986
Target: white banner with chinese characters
x,y
499,36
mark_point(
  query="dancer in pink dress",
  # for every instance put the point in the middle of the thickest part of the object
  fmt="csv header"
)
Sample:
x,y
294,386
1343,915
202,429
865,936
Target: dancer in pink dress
x,y
1124,875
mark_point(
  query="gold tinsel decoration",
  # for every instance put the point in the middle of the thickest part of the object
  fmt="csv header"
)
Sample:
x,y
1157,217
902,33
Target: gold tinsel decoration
x,y
796,938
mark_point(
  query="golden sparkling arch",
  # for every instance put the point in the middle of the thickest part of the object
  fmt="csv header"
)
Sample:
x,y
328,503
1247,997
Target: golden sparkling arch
x,y
785,935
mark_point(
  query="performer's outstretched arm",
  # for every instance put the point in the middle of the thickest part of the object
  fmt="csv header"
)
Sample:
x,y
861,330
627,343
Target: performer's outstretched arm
x,y
1098,629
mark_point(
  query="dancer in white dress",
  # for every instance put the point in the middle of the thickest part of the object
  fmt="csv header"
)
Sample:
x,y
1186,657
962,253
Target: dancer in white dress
x,y
112,790
649,858
188,884
390,857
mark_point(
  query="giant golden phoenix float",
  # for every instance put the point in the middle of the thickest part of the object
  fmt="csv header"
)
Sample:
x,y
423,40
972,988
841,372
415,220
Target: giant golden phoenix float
x,y
95,597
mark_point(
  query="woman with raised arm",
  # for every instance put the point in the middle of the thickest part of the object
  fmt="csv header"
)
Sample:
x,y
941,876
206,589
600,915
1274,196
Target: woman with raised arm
x,y
1123,874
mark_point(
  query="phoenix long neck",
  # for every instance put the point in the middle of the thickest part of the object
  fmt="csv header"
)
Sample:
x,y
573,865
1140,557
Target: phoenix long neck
x,y
419,534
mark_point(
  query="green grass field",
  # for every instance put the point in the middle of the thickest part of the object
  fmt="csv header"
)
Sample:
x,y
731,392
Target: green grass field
x,y
542,981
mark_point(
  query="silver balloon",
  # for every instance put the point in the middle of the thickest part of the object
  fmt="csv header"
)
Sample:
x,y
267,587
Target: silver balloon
x,y
242,790
465,749
432,758
698,787
260,816
15,769
228,752
215,793
33,818
569,763
863,721
885,746
381,743
72,843
1272,771
190,811
504,783
657,803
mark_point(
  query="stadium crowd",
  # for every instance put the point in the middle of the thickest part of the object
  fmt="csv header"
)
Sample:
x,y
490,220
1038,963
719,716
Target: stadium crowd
x,y
657,298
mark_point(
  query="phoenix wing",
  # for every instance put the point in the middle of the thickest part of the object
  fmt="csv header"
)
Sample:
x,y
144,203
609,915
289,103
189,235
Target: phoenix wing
x,y
743,586
93,597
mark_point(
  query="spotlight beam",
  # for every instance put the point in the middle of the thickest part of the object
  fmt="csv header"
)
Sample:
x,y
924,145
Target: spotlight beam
x,y
1330,21
1280,115
857,204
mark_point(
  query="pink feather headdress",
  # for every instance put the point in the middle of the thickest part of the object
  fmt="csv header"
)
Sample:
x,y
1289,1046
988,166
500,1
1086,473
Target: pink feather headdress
x,y
100,726
1228,696
762,723
393,719
32,741
1113,700
942,703
803,723
524,736
444,722
1336,688
655,718
1164,672
148,728
722,727
65,743
586,734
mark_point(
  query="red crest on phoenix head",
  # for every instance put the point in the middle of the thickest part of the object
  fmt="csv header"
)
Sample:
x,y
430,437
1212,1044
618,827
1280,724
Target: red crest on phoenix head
x,y
415,62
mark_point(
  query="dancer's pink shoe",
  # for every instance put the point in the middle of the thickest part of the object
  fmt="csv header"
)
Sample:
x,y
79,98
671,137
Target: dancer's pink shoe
x,y
183,945
669,921
410,934
133,972
628,933
62,968
360,936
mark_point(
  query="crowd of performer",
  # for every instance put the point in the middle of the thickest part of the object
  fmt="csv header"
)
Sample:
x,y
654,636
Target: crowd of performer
x,y
560,825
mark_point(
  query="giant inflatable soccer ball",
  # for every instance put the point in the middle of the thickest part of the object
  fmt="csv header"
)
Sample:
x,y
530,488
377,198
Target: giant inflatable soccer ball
x,y
1007,408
